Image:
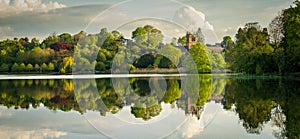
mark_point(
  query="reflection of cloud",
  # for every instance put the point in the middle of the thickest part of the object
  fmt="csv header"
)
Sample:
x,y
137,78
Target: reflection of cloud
x,y
191,128
18,6
193,19
8,133
194,127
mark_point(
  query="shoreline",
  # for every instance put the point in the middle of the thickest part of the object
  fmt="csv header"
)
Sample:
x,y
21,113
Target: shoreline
x,y
135,75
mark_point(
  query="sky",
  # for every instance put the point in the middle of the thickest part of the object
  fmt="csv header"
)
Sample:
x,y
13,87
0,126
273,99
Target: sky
x,y
216,18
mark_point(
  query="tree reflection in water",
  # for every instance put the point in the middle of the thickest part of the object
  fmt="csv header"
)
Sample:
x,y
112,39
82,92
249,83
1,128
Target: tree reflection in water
x,y
256,101
259,101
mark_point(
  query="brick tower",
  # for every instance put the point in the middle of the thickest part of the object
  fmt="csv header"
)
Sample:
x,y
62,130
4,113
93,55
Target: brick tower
x,y
191,39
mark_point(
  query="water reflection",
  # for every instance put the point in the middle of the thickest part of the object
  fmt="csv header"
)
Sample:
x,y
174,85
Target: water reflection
x,y
145,101
257,102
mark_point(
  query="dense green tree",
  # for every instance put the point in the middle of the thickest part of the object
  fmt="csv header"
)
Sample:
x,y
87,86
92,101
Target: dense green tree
x,y
22,67
200,54
33,43
100,66
291,41
217,61
44,67
144,61
227,42
50,40
29,67
67,64
15,67
4,67
65,37
182,41
101,57
252,50
148,36
51,67
11,48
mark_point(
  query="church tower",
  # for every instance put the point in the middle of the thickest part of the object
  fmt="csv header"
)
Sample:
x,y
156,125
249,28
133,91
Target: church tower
x,y
191,39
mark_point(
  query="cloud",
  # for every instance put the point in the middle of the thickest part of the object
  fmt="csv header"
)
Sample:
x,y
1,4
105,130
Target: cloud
x,y
191,128
192,19
8,133
12,7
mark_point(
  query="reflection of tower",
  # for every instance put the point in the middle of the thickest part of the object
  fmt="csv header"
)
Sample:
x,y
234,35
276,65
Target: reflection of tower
x,y
191,40
192,108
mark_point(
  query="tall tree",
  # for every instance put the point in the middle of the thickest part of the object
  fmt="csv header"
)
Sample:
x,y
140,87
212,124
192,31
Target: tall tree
x,y
200,35
227,42
275,29
291,40
148,36
228,45
252,52
200,54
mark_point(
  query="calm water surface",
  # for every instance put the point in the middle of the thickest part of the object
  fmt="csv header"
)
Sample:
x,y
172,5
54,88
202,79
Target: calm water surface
x,y
150,107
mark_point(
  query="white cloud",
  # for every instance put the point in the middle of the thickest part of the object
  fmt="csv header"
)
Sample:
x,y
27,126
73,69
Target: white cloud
x,y
191,128
11,7
192,19
8,133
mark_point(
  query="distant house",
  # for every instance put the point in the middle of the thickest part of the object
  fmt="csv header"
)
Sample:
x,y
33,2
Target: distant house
x,y
215,48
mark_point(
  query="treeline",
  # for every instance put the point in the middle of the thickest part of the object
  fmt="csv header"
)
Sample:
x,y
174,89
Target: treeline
x,y
275,49
23,55
96,52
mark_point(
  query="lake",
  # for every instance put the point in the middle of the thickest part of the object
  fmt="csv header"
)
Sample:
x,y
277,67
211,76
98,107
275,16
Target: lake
x,y
185,106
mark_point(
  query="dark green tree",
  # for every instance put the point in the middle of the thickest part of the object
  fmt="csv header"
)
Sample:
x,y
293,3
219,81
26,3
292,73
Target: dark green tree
x,y
291,41
252,50
4,67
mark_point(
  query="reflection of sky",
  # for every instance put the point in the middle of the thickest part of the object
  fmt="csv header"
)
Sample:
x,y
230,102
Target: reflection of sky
x,y
225,125
43,123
